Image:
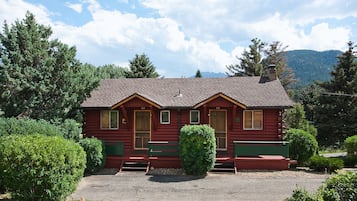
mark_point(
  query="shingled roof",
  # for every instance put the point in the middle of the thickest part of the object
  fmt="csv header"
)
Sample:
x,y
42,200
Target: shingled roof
x,y
164,92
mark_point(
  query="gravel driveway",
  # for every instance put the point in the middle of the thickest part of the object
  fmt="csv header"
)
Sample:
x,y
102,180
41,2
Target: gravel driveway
x,y
258,185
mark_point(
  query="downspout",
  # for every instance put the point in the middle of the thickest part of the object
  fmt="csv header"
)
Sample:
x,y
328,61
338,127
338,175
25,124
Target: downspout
x,y
179,121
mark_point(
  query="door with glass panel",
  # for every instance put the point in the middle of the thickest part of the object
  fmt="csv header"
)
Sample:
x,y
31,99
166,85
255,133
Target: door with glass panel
x,y
142,129
218,121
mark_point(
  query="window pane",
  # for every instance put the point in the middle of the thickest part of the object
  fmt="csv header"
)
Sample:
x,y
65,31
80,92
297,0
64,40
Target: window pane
x,y
114,119
105,119
165,116
194,117
258,117
247,119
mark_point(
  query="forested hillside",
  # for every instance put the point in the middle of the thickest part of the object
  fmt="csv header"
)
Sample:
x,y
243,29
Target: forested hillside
x,y
310,65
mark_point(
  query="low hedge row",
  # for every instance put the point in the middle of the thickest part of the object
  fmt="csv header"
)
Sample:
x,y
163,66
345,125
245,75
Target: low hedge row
x,y
69,129
320,163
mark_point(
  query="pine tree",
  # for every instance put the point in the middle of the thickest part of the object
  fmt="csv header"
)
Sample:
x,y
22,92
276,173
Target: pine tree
x,y
198,74
275,54
141,67
40,77
336,112
250,62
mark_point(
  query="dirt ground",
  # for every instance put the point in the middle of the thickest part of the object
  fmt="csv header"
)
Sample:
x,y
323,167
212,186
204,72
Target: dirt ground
x,y
248,185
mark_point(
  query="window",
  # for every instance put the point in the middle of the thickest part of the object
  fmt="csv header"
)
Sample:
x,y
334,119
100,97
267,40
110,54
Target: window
x,y
194,117
165,117
109,119
253,120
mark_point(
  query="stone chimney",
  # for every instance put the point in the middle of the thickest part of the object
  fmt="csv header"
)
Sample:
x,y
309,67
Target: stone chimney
x,y
269,74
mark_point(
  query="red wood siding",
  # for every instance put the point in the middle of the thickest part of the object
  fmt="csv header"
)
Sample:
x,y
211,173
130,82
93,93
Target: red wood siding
x,y
179,118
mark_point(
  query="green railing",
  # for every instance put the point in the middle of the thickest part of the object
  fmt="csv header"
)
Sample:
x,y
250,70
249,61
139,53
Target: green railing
x,y
163,148
256,148
114,148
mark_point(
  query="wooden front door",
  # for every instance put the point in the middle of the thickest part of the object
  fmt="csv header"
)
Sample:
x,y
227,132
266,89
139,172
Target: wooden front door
x,y
218,121
142,129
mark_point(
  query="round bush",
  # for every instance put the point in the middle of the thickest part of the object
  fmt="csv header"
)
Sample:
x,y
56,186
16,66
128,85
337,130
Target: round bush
x,y
38,167
302,145
197,149
94,149
351,145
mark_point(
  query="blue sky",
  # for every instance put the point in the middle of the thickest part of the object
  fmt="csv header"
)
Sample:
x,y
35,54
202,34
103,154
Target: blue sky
x,y
181,36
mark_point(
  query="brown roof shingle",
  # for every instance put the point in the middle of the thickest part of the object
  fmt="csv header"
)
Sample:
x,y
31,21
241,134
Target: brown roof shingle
x,y
246,90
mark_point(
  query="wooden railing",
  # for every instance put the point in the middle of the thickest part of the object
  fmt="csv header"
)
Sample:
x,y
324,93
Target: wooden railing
x,y
163,148
256,148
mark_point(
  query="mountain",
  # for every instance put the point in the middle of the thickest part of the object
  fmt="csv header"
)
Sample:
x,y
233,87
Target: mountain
x,y
212,75
310,65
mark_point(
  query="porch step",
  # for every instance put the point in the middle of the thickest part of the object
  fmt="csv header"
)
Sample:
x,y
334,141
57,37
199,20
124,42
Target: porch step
x,y
223,167
134,166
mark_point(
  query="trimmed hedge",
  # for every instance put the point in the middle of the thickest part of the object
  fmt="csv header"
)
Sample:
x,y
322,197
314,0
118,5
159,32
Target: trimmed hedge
x,y
350,160
351,145
320,163
9,126
302,145
38,167
94,149
197,149
69,129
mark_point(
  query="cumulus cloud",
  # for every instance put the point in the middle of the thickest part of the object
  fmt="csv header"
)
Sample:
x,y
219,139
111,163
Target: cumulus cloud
x,y
187,35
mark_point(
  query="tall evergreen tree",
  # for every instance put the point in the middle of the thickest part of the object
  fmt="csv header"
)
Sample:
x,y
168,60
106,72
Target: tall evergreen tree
x,y
250,62
40,77
198,74
275,54
141,67
336,113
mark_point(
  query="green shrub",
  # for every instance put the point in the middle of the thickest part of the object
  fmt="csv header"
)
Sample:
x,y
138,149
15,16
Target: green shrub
x,y
197,149
38,167
71,129
320,163
94,149
351,145
342,186
9,126
350,160
302,145
300,194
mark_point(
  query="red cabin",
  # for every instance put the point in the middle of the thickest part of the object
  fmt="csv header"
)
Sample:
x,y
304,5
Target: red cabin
x,y
135,116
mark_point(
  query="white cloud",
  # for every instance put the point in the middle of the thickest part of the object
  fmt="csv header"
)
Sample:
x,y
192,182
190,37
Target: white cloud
x,y
194,34
75,6
11,10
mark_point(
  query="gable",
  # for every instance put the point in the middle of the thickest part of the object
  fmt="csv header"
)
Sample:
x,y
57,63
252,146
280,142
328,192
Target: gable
x,y
219,100
136,100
